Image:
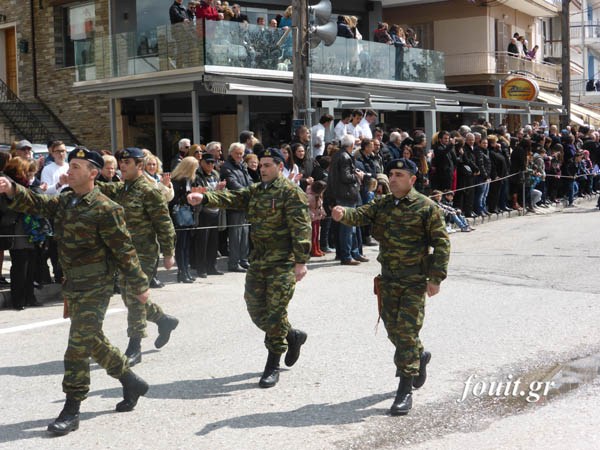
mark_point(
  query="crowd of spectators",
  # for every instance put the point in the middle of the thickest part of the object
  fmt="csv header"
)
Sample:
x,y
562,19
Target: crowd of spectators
x,y
475,171
268,44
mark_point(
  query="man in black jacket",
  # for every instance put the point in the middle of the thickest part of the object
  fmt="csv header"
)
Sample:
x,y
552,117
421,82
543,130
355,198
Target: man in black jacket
x,y
499,169
343,186
178,13
235,173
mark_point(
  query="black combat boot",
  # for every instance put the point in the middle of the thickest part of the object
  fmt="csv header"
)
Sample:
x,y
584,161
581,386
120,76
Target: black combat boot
x,y
189,275
134,351
166,324
133,388
270,376
67,420
419,381
403,402
182,277
295,340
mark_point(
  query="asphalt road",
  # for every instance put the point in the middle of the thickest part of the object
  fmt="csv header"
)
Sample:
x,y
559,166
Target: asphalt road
x,y
521,301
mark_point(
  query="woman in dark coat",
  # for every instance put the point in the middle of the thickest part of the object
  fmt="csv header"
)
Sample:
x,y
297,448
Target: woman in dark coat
x,y
183,179
444,161
23,255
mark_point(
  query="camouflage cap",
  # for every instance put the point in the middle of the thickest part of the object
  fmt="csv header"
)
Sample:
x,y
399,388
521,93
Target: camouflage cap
x,y
271,152
403,164
83,153
131,152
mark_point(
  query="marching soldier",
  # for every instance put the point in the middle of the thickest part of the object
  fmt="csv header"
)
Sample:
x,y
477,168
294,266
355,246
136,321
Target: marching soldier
x,y
148,222
406,224
92,239
280,235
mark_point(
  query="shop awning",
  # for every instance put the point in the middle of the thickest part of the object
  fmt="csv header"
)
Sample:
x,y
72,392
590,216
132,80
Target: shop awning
x,y
579,114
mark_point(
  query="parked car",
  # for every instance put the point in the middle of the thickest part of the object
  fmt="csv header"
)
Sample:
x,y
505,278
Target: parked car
x,y
38,150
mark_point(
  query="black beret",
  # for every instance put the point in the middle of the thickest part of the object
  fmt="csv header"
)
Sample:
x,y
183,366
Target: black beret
x,y
271,152
131,152
403,164
208,157
83,153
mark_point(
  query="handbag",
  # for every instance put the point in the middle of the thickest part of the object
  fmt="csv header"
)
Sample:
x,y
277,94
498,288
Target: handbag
x,y
184,217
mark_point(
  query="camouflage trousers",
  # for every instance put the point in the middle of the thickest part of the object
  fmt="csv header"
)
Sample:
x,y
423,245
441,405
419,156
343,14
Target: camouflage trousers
x,y
268,292
86,339
402,314
138,313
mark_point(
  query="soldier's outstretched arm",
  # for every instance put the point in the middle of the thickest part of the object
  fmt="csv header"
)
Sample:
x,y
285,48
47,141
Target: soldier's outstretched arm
x,y
110,189
6,187
363,215
25,201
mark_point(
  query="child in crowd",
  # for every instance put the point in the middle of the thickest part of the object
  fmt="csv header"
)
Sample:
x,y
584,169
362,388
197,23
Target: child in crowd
x,y
451,214
317,212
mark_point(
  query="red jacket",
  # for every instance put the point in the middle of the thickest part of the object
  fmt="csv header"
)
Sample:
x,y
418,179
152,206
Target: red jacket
x,y
205,11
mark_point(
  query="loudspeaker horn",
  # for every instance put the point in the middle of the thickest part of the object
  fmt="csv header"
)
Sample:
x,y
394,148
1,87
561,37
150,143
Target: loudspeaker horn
x,y
326,33
322,11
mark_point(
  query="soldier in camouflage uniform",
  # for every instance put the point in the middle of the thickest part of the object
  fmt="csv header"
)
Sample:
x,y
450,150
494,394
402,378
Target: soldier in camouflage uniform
x,y
150,226
406,224
92,241
280,235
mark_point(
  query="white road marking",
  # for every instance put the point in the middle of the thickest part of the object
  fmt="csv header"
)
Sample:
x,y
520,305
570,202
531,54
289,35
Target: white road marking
x,y
48,323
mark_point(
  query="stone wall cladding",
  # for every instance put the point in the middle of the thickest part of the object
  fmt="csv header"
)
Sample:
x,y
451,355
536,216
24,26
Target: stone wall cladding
x,y
86,115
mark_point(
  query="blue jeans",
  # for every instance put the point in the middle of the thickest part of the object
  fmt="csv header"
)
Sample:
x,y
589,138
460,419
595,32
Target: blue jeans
x,y
478,201
572,189
347,242
459,221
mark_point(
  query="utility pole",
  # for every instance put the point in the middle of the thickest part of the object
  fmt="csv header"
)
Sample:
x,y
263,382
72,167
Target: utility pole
x,y
565,118
301,104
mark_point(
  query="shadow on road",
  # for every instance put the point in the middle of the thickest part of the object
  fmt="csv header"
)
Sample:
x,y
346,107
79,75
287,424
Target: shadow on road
x,y
34,370
193,389
37,428
310,415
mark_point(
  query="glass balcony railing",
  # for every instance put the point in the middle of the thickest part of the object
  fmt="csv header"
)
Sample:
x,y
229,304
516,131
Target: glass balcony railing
x,y
232,44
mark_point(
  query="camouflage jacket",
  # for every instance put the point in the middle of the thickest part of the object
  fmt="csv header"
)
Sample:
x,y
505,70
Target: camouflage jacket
x,y
91,237
146,214
281,228
405,229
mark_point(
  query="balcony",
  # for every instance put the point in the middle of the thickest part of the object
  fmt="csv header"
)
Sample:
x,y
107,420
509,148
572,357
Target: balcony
x,y
499,63
187,48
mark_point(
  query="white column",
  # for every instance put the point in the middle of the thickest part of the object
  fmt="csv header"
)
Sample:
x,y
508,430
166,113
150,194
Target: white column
x,y
430,124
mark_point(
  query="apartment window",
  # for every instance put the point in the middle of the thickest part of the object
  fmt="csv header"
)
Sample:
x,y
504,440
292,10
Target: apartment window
x,y
74,30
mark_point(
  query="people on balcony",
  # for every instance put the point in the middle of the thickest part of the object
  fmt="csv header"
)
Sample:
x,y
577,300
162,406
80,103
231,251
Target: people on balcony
x,y
344,30
237,14
191,10
531,54
178,13
382,34
411,38
513,49
206,10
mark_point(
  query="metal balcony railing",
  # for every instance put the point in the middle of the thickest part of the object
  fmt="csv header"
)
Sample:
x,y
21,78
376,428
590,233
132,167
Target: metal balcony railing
x,y
20,117
499,63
